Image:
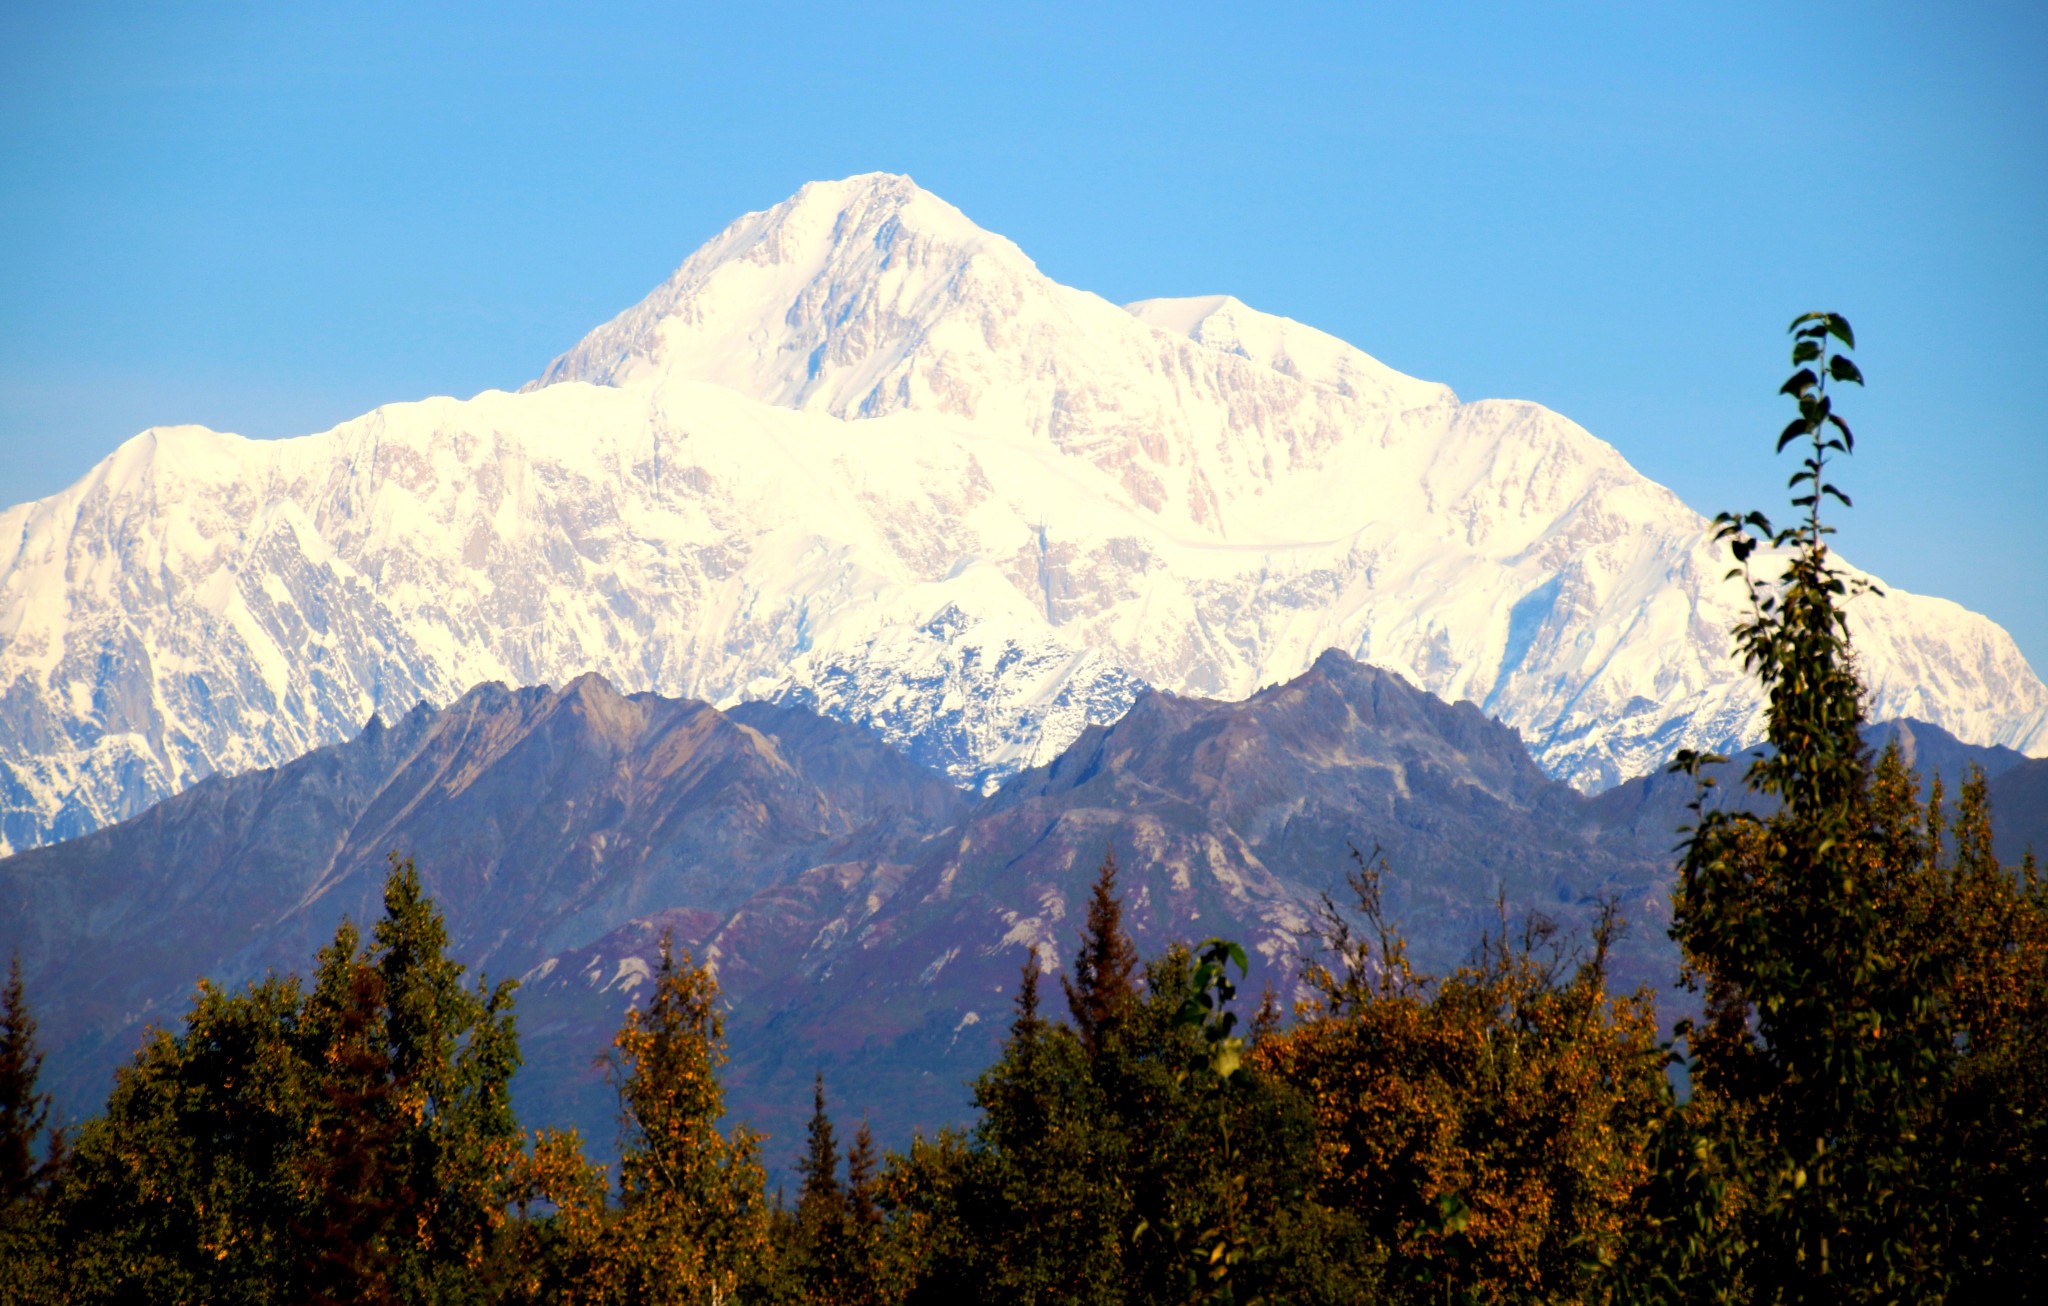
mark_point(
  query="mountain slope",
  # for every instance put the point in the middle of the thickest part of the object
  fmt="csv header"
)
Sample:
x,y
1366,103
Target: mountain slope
x,y
865,919
860,455
541,819
895,979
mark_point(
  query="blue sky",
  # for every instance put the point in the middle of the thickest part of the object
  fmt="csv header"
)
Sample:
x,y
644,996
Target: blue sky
x,y
268,218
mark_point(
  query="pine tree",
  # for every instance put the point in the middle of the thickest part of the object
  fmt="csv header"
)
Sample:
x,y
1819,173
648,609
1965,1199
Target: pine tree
x,y
1026,1020
30,1251
819,1166
1103,987
24,1111
863,1171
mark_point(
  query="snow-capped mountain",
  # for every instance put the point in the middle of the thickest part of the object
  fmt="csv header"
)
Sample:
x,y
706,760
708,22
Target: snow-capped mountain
x,y
861,454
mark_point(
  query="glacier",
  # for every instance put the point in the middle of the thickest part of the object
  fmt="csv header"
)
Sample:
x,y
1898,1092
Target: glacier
x,y
860,454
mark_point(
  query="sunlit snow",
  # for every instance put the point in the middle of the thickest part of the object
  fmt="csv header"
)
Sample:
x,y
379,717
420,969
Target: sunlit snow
x,y
860,454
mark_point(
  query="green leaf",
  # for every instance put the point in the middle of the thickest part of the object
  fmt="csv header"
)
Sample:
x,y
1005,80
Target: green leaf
x,y
1840,368
1227,1057
1839,327
1805,352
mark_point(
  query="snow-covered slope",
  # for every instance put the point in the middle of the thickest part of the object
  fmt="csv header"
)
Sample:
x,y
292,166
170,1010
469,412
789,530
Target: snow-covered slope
x,y
859,453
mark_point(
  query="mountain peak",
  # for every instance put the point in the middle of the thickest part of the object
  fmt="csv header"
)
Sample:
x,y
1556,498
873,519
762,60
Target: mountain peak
x,y
1003,505
810,304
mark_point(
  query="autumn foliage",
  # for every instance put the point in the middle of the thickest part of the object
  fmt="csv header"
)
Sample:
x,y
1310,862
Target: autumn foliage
x,y
1489,1128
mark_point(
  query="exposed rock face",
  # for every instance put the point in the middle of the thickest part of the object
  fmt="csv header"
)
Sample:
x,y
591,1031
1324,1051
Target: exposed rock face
x,y
861,455
540,819
862,914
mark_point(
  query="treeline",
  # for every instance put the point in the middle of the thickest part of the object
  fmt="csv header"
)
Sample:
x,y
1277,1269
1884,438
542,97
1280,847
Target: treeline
x,y
1861,1114
1505,1132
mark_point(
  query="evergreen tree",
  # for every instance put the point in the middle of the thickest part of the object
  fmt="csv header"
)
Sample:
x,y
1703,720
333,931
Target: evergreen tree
x,y
865,1279
28,1246
24,1111
354,1143
819,1166
1103,986
1037,1209
1026,1021
821,1244
863,1172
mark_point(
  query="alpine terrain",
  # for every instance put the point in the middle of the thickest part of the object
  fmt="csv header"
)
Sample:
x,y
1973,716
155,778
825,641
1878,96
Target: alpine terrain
x,y
860,455
863,916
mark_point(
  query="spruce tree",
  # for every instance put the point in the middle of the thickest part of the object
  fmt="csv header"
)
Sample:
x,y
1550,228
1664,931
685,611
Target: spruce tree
x,y
1103,986
821,1241
820,1196
1026,1020
30,1251
863,1170
24,1111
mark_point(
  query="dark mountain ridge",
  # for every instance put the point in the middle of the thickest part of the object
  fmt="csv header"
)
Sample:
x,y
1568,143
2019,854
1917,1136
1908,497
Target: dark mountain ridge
x,y
865,918
541,818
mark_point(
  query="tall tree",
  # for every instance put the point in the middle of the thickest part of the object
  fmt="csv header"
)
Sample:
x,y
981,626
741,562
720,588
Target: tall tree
x,y
863,1172
30,1254
1861,979
819,1165
446,1054
1103,984
1032,975
354,1143
353,1156
821,1246
24,1109
865,1281
692,1223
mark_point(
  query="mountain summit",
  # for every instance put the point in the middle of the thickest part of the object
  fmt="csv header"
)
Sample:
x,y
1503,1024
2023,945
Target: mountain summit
x,y
860,455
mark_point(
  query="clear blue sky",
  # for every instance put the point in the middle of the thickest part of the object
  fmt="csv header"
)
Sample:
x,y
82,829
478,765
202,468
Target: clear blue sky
x,y
271,217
